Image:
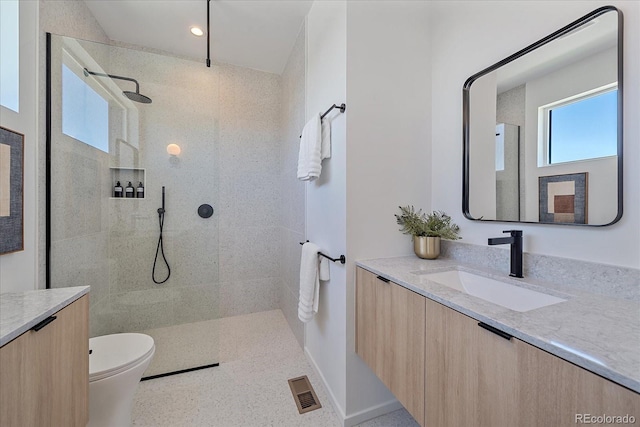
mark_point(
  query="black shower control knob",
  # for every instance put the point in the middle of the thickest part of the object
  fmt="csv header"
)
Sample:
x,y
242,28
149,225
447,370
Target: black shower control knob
x,y
205,211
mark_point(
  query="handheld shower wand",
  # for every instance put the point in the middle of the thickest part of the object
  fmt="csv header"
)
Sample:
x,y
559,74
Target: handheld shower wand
x,y
160,246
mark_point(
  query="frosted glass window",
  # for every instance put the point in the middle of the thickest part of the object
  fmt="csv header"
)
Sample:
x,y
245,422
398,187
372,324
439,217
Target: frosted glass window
x,y
9,54
584,129
85,114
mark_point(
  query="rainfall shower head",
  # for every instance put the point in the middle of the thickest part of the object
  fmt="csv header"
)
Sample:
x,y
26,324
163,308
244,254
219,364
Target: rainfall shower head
x,y
137,97
134,96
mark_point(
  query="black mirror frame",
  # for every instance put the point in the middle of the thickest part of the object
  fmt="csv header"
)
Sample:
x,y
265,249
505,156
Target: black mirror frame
x,y
465,112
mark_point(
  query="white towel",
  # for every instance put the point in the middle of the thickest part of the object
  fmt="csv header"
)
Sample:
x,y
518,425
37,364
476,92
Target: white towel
x,y
324,269
313,268
325,144
309,157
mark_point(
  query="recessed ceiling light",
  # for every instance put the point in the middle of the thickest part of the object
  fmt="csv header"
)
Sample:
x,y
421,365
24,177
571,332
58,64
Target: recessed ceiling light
x,y
197,31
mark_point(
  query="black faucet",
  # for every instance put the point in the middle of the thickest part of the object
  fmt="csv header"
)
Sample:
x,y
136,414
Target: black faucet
x,y
516,250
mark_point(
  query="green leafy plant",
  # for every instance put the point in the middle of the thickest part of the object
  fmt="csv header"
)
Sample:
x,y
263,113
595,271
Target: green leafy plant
x,y
435,224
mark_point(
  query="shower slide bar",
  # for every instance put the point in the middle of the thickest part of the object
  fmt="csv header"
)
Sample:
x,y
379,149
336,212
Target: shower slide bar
x,y
342,259
342,107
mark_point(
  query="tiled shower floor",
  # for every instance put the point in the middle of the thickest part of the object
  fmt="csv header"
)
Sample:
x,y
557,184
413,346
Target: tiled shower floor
x,y
258,354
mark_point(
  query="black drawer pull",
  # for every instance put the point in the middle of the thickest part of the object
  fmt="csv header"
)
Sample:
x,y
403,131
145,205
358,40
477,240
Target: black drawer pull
x,y
490,328
384,279
44,323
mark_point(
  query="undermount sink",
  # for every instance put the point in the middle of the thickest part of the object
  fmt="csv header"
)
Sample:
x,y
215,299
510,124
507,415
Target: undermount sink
x,y
507,295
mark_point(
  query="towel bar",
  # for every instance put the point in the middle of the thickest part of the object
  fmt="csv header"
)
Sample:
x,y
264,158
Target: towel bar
x,y
342,259
342,107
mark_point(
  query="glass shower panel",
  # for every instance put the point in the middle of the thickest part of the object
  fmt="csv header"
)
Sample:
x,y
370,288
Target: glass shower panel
x,y
110,243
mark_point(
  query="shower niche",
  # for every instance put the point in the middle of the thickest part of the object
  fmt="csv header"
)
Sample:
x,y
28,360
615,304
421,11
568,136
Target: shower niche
x,y
135,176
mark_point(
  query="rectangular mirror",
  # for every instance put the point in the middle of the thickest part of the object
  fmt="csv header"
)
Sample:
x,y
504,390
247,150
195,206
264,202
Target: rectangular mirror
x,y
542,129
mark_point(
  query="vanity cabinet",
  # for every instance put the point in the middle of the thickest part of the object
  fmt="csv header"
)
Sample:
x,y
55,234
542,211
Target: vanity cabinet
x,y
390,322
44,374
477,377
472,374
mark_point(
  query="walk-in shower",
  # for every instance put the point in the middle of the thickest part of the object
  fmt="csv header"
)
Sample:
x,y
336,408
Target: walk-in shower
x,y
100,134
213,137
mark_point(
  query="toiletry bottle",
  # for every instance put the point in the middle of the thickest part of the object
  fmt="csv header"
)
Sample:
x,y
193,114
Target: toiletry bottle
x,y
129,191
117,190
140,191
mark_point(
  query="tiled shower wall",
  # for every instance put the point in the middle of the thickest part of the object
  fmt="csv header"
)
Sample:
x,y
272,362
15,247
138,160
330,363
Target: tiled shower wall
x,y
292,216
228,122
238,129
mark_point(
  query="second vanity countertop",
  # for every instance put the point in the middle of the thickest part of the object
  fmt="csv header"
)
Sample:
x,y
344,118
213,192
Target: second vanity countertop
x,y
598,333
20,311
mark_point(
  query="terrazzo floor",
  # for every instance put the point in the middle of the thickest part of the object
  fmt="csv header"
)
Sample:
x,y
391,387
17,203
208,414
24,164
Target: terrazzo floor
x,y
258,354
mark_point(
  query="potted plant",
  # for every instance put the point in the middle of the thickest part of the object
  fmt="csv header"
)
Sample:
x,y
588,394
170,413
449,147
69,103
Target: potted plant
x,y
427,230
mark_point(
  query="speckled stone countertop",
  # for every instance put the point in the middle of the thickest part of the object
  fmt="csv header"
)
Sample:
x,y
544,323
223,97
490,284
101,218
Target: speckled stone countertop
x,y
598,333
20,311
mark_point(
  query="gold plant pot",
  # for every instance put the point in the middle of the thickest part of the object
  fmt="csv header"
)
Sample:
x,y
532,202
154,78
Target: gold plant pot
x,y
426,247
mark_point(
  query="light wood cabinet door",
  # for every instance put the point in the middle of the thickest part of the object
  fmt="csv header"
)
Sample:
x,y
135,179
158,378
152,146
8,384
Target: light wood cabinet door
x,y
554,392
477,378
44,375
390,323
471,373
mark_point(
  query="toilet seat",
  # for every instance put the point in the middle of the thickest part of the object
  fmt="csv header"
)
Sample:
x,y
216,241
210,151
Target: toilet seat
x,y
113,354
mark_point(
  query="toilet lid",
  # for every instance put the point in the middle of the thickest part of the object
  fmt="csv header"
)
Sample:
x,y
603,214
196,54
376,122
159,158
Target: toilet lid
x,y
112,354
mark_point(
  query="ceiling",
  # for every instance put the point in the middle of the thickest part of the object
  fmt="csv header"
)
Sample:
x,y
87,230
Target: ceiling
x,y
257,34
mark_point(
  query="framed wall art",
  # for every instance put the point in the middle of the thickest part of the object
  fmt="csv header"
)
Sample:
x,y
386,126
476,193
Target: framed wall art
x,y
11,191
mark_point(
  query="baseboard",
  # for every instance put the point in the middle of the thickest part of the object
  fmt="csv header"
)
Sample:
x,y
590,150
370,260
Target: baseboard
x,y
360,416
372,412
332,398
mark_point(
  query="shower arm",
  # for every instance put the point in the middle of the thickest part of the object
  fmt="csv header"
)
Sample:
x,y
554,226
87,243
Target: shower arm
x,y
113,76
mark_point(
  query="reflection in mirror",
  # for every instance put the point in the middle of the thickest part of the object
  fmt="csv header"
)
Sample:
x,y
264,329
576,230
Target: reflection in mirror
x,y
542,129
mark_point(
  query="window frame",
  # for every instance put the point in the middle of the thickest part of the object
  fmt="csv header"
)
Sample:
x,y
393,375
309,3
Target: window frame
x,y
9,106
545,123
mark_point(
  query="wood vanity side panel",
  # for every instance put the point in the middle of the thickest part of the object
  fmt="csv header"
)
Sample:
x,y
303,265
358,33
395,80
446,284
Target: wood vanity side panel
x,y
553,391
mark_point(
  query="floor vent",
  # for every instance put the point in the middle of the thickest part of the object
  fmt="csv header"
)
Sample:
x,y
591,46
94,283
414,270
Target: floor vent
x,y
303,394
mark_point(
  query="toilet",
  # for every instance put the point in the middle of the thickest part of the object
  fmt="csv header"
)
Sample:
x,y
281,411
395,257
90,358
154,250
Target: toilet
x,y
116,365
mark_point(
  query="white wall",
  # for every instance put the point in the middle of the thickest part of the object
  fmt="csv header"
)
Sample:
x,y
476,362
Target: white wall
x,y
469,36
380,160
325,342
18,270
388,150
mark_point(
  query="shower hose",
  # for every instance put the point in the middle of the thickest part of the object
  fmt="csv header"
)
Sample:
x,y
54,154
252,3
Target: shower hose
x,y
160,250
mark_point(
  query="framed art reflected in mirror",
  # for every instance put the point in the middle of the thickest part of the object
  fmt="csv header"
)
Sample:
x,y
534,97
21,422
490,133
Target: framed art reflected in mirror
x,y
563,198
